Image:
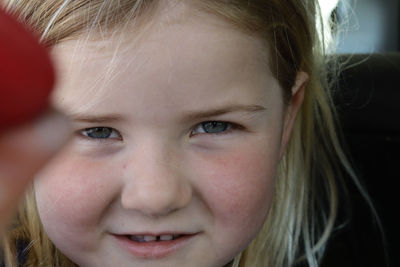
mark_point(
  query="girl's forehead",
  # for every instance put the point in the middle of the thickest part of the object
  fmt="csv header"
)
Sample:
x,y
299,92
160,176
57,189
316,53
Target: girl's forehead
x,y
202,49
166,20
167,23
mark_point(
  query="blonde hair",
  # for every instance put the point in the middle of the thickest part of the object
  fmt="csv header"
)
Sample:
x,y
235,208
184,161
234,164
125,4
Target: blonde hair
x,y
304,209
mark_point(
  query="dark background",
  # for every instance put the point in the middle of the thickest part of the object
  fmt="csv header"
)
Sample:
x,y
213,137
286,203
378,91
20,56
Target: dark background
x,y
368,99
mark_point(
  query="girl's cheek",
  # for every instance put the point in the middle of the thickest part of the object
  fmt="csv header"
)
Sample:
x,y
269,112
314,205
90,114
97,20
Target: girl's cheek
x,y
238,184
73,190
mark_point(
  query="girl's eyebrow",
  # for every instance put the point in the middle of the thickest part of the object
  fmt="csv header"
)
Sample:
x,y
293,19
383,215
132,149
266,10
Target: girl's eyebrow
x,y
108,118
188,116
198,115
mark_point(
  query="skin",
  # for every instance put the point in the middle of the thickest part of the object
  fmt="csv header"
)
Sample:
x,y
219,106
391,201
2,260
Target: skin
x,y
26,79
29,145
159,171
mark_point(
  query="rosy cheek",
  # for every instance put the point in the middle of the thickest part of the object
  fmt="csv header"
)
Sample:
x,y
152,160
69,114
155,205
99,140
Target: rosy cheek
x,y
238,185
72,191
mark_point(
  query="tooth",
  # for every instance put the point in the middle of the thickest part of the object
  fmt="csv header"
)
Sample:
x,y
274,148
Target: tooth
x,y
166,237
149,238
143,238
137,238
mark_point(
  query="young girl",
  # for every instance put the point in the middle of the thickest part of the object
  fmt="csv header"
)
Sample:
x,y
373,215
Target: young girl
x,y
203,136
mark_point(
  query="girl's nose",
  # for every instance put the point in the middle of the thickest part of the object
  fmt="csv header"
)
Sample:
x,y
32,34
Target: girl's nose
x,y
154,185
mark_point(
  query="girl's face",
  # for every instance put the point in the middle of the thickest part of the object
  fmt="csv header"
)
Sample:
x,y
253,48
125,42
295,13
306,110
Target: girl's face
x,y
177,136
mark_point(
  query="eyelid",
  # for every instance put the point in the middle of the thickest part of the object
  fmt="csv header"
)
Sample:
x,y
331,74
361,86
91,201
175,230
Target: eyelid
x,y
107,139
231,127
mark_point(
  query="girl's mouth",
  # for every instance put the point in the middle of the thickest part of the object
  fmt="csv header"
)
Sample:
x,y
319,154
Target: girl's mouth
x,y
153,246
152,238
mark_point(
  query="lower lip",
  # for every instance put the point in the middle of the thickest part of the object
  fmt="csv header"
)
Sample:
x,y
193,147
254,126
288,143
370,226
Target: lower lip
x,y
153,250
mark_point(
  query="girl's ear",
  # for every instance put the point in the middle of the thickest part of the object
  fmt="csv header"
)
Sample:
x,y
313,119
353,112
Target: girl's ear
x,y
296,101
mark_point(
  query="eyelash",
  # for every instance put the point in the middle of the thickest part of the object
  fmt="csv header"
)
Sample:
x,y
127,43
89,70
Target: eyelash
x,y
87,131
228,128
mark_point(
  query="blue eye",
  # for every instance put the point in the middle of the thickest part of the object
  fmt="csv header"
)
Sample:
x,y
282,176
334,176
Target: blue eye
x,y
212,127
101,133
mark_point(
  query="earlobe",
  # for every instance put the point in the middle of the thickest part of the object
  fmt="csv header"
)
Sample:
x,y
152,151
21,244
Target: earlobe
x,y
298,92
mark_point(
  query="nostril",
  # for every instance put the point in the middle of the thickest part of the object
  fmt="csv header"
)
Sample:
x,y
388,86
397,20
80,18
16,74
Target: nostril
x,y
156,199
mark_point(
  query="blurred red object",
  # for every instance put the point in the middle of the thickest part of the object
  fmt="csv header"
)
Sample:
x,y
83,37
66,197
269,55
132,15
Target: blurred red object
x,y
26,74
